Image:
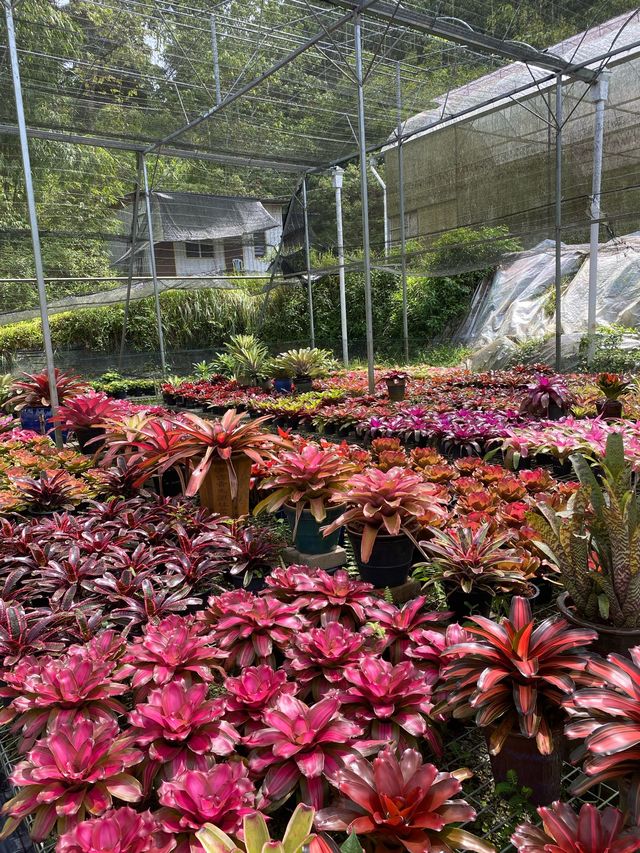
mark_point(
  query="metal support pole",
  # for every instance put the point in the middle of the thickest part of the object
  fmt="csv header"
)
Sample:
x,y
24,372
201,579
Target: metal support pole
x,y
307,255
558,223
216,60
336,179
364,197
31,206
401,214
152,264
599,93
132,256
376,174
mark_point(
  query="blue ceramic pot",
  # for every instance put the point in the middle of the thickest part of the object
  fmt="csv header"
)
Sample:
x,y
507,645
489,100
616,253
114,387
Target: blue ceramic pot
x,y
308,538
36,418
284,386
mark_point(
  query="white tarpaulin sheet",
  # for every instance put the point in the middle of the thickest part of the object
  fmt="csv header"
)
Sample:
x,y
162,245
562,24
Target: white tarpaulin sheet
x,y
513,305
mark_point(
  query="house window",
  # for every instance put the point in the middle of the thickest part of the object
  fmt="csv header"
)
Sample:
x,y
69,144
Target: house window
x,y
199,250
260,243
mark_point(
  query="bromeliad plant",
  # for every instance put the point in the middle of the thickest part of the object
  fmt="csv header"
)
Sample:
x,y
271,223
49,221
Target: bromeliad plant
x,y
76,770
299,746
471,558
305,363
385,502
401,802
120,830
305,479
596,543
33,389
514,675
612,385
589,831
192,441
606,721
545,394
317,658
392,702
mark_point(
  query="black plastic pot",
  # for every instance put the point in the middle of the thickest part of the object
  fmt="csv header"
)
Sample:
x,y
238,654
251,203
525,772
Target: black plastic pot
x,y
609,408
541,773
465,604
255,585
555,412
618,640
390,560
90,439
303,384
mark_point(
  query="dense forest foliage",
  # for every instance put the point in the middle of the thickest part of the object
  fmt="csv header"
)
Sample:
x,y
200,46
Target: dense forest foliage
x,y
137,70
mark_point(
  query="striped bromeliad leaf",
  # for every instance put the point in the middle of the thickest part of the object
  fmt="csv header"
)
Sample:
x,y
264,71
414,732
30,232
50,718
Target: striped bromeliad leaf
x,y
514,675
606,719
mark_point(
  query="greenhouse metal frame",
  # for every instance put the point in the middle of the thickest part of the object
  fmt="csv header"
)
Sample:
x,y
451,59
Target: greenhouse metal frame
x,y
344,16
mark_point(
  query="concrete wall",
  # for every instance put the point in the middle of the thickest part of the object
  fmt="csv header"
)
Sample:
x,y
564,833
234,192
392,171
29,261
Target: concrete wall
x,y
499,168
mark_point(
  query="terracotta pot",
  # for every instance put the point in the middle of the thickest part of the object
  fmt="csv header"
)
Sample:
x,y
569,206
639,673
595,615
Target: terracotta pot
x,y
618,640
541,773
215,491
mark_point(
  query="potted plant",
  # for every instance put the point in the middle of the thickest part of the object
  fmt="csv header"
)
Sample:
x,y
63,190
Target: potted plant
x,y
547,397
381,515
396,381
282,381
606,723
245,359
473,564
304,365
254,551
84,414
298,836
512,677
31,397
302,482
217,454
595,544
612,385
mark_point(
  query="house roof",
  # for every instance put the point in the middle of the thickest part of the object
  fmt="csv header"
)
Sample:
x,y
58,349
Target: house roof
x,y
586,47
189,216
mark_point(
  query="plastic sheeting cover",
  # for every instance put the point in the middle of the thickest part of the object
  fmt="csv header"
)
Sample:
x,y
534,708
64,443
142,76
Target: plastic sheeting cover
x,y
514,303
197,216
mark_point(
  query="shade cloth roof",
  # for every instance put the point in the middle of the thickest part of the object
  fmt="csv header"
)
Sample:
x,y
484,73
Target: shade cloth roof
x,y
182,216
586,47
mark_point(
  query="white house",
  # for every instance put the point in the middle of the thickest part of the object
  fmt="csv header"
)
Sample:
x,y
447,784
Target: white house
x,y
196,234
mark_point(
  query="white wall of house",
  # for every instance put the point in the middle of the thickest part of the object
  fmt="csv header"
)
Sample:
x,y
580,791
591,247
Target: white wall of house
x,y
199,266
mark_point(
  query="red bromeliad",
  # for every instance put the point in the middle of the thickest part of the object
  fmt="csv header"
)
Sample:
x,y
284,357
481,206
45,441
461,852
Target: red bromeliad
x,y
606,719
120,830
589,831
318,657
300,745
514,673
248,627
393,702
336,598
45,689
221,795
399,624
401,802
180,729
76,770
173,648
252,692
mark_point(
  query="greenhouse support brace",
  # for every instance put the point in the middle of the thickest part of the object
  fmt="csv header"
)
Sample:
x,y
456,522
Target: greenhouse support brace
x,y
558,224
376,174
216,60
307,255
33,216
336,179
364,197
152,264
599,93
403,235
132,258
